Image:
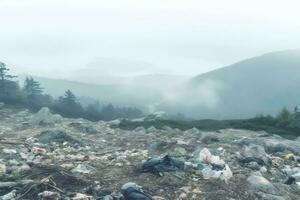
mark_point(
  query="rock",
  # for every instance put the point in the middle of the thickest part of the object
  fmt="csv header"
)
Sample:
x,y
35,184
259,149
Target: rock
x,y
45,117
259,183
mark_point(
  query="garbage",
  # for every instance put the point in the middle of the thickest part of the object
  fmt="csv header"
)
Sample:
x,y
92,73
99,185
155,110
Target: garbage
x,y
45,117
57,136
10,196
167,163
259,161
81,168
2,169
49,195
291,180
38,150
132,191
224,174
291,157
259,183
9,151
206,157
80,196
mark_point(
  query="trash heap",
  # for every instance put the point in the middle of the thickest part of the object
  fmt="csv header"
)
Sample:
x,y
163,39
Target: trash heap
x,y
58,158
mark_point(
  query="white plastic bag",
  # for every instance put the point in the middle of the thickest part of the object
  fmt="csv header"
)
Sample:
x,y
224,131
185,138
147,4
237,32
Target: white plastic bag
x,y
205,156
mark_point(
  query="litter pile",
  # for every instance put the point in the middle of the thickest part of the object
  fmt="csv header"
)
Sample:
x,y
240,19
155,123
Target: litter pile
x,y
48,157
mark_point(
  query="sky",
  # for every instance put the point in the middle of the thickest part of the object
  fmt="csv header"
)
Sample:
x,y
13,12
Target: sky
x,y
56,38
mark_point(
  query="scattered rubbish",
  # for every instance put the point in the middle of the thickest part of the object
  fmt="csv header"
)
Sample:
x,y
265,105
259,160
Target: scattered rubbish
x,y
80,196
2,169
81,168
291,180
291,157
132,191
224,174
9,151
10,196
165,164
49,195
39,162
45,117
259,161
57,136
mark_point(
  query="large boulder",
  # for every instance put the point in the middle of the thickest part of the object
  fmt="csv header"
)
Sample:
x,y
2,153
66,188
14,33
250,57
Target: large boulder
x,y
45,117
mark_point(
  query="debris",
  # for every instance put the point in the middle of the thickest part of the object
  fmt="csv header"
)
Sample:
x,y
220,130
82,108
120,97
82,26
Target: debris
x,y
45,117
9,151
81,168
291,157
2,169
10,196
49,195
259,183
57,136
205,156
259,161
164,164
291,180
80,196
132,191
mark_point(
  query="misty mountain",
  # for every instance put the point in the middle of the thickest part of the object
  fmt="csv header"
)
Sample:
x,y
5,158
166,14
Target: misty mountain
x,y
258,85
142,91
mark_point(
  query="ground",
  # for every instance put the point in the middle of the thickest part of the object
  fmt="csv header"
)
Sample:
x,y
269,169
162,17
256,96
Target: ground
x,y
96,158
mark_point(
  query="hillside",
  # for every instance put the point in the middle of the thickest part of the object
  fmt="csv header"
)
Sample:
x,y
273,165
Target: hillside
x,y
261,84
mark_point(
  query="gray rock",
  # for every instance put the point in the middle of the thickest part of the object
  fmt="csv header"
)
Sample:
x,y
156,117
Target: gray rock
x,y
45,117
259,183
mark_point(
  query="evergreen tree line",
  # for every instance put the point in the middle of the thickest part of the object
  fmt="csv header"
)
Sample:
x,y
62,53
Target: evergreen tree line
x,y
286,119
32,96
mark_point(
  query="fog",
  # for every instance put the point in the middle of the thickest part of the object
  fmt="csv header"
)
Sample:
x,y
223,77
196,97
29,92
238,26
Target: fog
x,y
146,52
54,38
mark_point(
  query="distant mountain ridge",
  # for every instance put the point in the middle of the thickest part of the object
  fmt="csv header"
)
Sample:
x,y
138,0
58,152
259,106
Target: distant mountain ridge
x,y
262,84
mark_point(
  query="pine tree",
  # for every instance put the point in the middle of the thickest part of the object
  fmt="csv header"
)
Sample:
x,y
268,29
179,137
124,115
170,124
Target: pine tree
x,y
33,94
9,90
